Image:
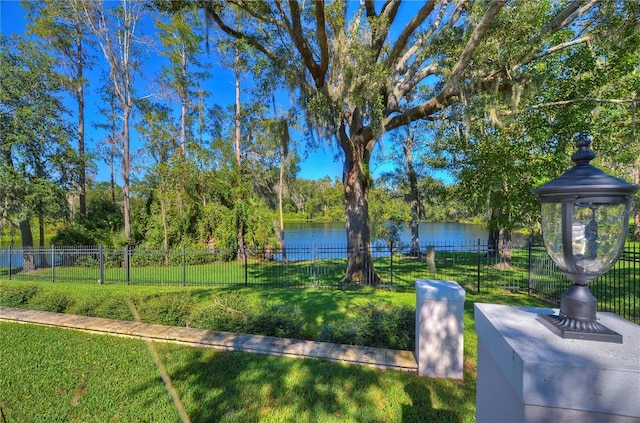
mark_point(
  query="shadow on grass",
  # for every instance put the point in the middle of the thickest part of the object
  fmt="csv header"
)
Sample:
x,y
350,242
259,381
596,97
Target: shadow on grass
x,y
233,387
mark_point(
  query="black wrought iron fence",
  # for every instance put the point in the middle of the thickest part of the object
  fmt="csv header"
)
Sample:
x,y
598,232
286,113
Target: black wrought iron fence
x,y
523,268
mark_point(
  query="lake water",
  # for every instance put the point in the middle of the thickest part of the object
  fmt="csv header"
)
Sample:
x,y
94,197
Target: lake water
x,y
430,233
306,235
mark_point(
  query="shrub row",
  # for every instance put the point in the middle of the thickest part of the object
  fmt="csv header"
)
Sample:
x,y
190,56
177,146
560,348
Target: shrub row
x,y
230,312
375,325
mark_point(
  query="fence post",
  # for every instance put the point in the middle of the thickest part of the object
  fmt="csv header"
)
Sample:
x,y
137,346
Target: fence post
x,y
184,266
246,269
101,253
10,254
529,270
53,265
315,281
126,264
478,282
391,266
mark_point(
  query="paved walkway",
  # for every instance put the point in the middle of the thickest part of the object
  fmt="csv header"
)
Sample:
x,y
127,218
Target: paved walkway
x,y
365,356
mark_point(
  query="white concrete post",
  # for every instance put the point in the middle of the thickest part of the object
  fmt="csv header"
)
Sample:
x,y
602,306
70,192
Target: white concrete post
x,y
439,328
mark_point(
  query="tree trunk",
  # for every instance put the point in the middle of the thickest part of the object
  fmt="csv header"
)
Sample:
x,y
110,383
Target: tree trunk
x,y
82,188
241,254
165,231
280,208
126,172
431,258
112,177
414,204
360,268
28,259
506,249
493,243
43,262
240,219
183,109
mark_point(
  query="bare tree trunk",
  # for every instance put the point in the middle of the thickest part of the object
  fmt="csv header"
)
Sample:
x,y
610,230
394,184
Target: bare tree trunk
x,y
237,116
165,231
414,196
506,249
82,183
493,243
28,259
126,174
44,262
240,221
183,109
112,177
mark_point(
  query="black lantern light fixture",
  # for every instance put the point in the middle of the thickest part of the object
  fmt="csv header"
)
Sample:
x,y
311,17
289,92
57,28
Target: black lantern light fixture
x,y
585,220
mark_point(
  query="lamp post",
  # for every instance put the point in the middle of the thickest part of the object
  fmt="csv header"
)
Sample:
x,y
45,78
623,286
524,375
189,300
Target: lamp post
x,y
585,219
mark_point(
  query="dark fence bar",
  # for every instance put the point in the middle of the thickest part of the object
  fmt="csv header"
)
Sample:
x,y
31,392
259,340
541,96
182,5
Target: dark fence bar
x,y
522,268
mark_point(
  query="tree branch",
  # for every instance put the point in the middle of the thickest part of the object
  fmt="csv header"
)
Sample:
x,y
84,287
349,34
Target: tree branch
x,y
322,38
444,99
552,50
560,21
297,34
407,31
479,31
239,35
401,65
380,29
251,11
408,82
584,100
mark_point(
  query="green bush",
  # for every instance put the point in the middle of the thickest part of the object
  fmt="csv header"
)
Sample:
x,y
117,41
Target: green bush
x,y
56,302
340,332
375,326
87,261
166,309
114,308
17,296
283,320
113,260
74,235
143,258
228,312
106,306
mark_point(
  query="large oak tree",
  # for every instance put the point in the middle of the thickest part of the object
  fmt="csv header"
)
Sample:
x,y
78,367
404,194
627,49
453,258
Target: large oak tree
x,y
357,68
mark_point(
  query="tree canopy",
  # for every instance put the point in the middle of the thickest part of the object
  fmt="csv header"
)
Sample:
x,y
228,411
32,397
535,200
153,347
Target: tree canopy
x,y
483,89
360,70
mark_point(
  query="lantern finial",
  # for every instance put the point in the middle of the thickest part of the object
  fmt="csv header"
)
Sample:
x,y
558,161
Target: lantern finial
x,y
584,153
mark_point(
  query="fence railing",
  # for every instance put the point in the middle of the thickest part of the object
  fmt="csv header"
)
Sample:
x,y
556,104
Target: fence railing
x,y
523,268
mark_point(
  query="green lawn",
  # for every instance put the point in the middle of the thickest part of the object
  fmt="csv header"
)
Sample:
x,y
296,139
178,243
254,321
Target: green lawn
x,y
49,374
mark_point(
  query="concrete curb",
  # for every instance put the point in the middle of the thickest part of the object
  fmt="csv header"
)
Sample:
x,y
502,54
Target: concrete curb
x,y
379,358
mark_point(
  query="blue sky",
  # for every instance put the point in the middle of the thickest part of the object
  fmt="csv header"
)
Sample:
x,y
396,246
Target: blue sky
x,y
320,162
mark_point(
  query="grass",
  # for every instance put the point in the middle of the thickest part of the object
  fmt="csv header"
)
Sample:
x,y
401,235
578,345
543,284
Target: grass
x,y
59,375
49,374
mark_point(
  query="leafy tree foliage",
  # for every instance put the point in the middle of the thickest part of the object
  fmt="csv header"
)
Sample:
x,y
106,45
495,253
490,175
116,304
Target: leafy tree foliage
x,y
67,37
37,164
357,68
